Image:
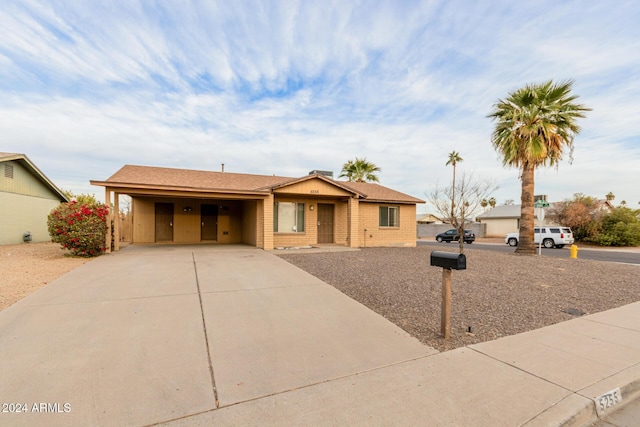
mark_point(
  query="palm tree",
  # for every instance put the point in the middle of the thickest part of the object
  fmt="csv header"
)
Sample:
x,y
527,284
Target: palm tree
x,y
454,158
610,196
534,125
359,170
492,202
484,203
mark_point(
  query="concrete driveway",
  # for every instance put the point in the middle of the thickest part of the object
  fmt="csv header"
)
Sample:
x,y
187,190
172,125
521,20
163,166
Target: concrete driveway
x,y
157,333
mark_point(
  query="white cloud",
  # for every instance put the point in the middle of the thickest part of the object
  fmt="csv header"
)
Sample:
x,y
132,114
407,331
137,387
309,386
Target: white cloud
x,y
286,87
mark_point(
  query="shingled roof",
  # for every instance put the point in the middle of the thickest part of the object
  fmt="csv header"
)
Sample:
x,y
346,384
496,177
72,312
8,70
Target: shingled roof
x,y
133,176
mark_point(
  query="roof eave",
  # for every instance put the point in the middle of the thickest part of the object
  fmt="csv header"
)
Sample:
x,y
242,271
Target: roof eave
x,y
22,158
133,186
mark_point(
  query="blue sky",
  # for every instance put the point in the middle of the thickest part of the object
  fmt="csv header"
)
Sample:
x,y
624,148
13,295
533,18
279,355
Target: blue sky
x,y
287,87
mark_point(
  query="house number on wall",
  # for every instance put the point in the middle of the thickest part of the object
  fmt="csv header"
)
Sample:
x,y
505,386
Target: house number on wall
x,y
315,191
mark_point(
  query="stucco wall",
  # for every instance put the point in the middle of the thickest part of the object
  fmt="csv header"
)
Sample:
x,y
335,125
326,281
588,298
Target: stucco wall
x,y
499,227
20,213
25,203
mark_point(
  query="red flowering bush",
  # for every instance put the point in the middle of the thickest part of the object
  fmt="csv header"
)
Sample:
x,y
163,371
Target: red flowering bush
x,y
79,227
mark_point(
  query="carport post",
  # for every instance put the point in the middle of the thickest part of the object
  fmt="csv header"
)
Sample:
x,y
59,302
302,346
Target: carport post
x,y
445,324
107,201
116,221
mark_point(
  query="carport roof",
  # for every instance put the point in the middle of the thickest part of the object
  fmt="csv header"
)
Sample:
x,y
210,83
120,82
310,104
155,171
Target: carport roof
x,y
189,180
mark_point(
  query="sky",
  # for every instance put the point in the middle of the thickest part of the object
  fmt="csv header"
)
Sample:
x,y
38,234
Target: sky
x,y
286,87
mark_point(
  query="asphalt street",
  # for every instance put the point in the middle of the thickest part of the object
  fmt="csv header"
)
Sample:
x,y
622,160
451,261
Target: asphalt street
x,y
609,254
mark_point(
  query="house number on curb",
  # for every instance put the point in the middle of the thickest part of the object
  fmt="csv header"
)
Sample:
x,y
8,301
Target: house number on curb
x,y
608,400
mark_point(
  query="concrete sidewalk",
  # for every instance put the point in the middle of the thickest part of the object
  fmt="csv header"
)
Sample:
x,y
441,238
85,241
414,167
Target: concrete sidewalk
x,y
232,335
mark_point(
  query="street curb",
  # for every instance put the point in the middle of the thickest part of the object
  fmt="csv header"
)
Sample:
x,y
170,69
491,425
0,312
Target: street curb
x,y
630,391
580,410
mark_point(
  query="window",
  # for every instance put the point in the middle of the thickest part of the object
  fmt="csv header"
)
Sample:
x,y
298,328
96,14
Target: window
x,y
288,217
8,171
388,216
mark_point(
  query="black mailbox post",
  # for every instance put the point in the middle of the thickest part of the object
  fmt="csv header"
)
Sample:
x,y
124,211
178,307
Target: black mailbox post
x,y
449,260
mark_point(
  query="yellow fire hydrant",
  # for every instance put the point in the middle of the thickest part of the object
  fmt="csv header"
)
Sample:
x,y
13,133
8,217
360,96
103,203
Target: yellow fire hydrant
x,y
573,251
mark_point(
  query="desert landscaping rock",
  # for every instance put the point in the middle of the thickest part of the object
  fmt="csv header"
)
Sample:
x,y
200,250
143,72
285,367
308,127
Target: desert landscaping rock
x,y
25,268
499,294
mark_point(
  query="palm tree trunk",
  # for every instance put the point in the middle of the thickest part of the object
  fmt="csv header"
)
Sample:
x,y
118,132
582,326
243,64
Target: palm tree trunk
x,y
453,191
526,244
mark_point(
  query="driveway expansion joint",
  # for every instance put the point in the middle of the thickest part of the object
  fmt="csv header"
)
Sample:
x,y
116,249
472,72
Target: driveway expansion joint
x,y
206,337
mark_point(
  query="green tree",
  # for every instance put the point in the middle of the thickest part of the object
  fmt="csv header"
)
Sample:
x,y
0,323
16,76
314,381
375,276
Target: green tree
x,y
620,227
83,199
533,127
360,170
492,202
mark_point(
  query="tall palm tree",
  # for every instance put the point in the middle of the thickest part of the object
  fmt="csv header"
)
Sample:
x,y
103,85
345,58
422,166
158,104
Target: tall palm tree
x,y
534,125
492,202
454,158
360,170
610,196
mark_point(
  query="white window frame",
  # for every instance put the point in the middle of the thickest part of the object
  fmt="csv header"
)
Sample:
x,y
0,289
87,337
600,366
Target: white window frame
x,y
299,215
389,217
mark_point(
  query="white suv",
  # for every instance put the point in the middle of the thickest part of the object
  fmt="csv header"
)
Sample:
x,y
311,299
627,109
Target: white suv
x,y
551,236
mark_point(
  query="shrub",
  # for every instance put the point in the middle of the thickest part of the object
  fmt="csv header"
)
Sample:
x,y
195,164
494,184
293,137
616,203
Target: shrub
x,y
79,227
620,227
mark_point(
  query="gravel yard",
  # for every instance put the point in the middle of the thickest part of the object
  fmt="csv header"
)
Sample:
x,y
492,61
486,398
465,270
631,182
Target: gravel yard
x,y
499,294
25,268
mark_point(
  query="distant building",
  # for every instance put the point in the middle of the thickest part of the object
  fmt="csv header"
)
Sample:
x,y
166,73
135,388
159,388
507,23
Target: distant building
x,y
502,220
428,219
26,198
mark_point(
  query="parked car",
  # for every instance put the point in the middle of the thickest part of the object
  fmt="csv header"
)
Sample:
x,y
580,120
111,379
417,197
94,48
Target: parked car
x,y
451,235
551,236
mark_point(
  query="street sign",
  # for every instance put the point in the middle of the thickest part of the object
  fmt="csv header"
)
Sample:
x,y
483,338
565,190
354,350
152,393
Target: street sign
x,y
541,204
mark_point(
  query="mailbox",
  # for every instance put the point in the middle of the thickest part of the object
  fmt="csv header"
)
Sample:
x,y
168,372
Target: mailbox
x,y
449,260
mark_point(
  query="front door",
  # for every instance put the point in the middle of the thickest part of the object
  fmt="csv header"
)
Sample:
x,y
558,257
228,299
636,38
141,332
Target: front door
x,y
209,222
164,222
325,223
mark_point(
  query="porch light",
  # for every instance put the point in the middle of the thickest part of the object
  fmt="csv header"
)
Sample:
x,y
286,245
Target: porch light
x,y
311,207
187,209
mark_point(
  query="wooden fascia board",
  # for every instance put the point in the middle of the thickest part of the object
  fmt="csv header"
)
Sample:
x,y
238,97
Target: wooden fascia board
x,y
151,190
320,177
388,202
37,172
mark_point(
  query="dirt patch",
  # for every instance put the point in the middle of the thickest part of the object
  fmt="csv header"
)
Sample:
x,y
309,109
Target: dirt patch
x,y
25,268
499,294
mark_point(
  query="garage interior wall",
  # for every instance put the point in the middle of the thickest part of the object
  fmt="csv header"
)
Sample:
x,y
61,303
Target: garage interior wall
x,y
187,220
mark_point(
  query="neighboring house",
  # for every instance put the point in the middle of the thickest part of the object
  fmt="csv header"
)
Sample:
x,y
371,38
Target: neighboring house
x,y
506,219
192,206
503,219
428,219
26,198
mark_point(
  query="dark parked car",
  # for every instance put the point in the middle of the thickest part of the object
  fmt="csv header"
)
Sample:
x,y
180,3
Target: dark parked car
x,y
451,235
